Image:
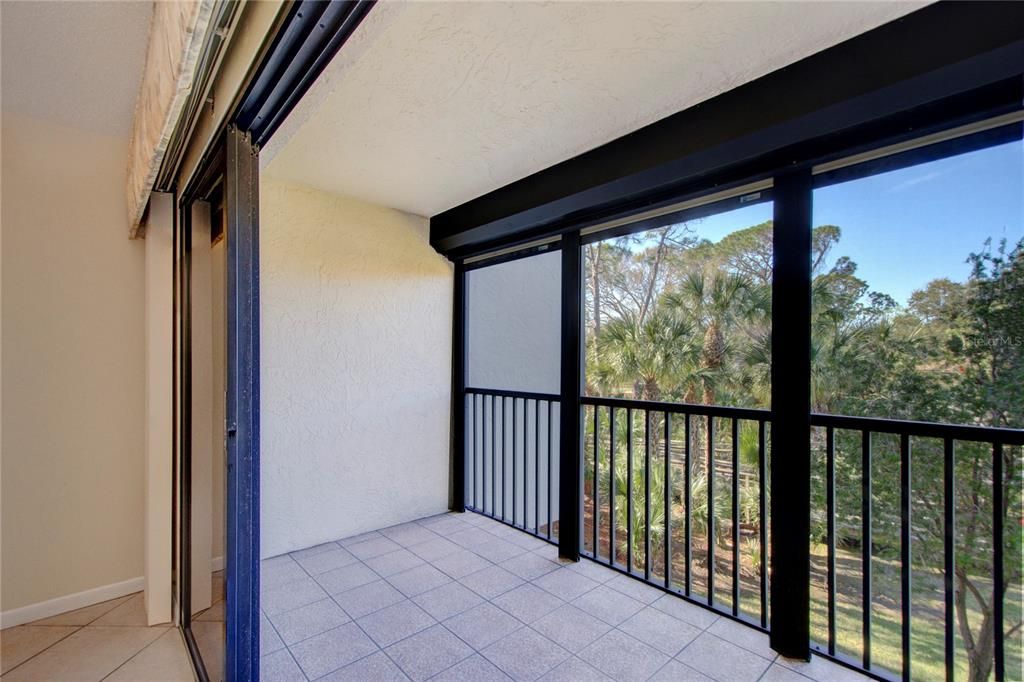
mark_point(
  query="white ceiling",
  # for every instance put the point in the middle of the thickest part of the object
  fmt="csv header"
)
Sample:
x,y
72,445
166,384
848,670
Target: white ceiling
x,y
74,63
431,104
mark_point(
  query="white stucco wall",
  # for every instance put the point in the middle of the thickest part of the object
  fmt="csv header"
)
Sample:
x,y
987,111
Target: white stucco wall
x,y
355,368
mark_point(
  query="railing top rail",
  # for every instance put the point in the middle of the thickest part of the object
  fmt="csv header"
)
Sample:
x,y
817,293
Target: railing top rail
x,y
750,413
984,434
525,395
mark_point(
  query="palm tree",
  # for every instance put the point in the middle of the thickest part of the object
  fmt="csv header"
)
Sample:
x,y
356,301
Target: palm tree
x,y
714,303
649,354
638,522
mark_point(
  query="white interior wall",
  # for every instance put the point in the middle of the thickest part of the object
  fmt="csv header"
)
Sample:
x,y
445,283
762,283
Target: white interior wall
x,y
73,364
355,324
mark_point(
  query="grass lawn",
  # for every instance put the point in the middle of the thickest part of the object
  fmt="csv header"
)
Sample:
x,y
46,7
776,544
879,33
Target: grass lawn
x,y
927,624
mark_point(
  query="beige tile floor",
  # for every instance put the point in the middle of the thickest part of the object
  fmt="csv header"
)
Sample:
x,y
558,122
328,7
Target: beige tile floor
x,y
107,641
462,597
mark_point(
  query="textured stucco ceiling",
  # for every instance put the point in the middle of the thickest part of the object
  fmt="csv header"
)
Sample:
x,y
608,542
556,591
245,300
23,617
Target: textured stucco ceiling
x,y
431,104
74,63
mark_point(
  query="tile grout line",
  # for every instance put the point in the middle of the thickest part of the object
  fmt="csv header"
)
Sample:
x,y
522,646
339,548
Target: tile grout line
x,y
367,635
288,647
139,652
489,600
283,644
407,598
379,576
351,620
77,628
47,648
703,630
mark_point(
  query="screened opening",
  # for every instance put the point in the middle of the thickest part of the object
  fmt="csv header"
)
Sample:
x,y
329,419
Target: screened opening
x,y
677,339
513,365
918,314
682,312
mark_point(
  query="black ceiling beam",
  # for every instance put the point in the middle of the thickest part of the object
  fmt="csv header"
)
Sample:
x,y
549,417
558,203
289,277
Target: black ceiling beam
x,y
309,35
943,63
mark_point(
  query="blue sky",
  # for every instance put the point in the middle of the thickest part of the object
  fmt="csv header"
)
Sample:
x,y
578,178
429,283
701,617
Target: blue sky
x,y
907,227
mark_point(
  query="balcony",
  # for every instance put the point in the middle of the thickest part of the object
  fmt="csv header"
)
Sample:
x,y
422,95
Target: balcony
x,y
712,407
467,597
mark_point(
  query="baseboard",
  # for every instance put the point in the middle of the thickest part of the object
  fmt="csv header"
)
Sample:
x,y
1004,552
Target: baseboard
x,y
216,564
70,602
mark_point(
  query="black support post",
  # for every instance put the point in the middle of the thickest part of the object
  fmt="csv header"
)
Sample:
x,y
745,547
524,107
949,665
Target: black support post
x,y
570,481
791,409
457,496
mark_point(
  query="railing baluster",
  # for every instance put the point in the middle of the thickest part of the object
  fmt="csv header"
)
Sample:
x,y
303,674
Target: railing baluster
x,y
483,450
524,481
494,456
506,432
629,490
668,500
524,519
905,552
479,408
504,463
865,536
478,414
997,559
472,452
949,542
515,458
516,507
611,487
830,504
688,520
711,509
735,517
536,467
647,494
595,516
762,505
551,431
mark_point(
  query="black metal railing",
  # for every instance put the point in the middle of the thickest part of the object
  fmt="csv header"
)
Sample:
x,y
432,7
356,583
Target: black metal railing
x,y
512,459
676,495
933,448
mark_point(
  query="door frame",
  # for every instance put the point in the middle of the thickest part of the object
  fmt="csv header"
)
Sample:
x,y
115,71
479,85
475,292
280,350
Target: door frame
x,y
232,162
